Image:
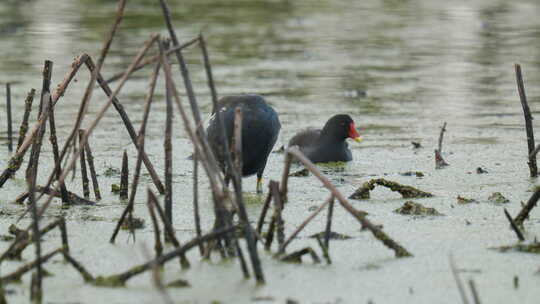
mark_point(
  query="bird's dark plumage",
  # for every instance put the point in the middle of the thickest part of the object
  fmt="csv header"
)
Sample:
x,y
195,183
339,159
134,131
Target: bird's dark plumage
x,y
328,144
260,129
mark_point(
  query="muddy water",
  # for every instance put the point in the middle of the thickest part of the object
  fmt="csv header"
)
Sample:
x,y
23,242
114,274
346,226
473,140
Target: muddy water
x,y
400,68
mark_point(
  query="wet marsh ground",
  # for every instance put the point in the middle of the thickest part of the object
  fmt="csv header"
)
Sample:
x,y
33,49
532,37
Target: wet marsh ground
x,y
399,68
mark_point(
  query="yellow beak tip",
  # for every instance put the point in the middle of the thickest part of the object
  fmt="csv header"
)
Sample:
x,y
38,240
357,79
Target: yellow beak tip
x,y
358,139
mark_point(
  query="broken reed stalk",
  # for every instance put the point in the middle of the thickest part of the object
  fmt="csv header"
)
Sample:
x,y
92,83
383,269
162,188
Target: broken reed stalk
x,y
122,278
84,172
142,133
184,262
16,160
303,225
54,144
154,59
441,135
296,257
263,212
328,229
167,145
24,124
158,246
459,284
278,205
8,112
37,292
98,118
514,226
360,216
124,175
93,175
528,121
196,199
17,274
524,213
285,177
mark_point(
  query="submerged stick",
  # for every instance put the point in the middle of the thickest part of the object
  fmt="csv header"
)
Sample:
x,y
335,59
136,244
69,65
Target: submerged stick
x,y
72,197
360,216
79,267
8,110
84,172
528,121
278,205
263,212
514,226
459,284
37,291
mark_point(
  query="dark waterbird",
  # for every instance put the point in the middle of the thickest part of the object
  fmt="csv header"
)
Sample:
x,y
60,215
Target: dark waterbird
x,y
260,129
328,144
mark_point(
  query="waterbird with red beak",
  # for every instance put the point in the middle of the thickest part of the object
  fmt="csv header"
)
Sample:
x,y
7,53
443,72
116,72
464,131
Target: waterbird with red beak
x,y
328,144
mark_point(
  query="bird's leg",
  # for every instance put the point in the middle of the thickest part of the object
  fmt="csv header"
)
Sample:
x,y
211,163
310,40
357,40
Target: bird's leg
x,y
259,183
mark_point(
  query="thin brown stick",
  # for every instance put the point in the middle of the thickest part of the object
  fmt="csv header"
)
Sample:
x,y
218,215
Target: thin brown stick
x,y
158,246
278,209
54,144
84,172
8,112
263,212
328,229
124,177
441,135
24,124
37,290
514,226
528,121
285,178
360,216
303,225
167,145
196,199
93,175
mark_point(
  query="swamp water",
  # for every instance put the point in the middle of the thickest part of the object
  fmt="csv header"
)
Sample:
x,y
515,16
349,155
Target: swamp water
x,y
400,68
